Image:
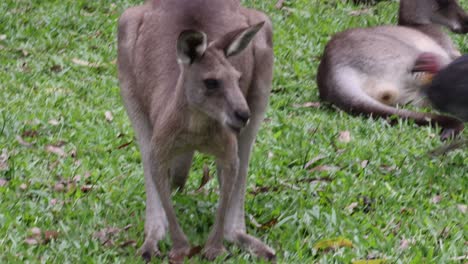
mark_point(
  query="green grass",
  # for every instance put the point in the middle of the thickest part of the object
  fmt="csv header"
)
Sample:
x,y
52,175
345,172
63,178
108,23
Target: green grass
x,y
39,81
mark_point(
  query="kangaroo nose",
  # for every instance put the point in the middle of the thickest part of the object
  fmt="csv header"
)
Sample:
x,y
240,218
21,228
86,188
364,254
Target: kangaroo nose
x,y
242,115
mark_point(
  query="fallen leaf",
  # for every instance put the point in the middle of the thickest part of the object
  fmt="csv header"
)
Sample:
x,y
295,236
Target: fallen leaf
x,y
77,178
345,137
22,142
445,232
370,261
71,186
279,4
4,160
128,243
405,210
263,189
105,235
109,116
270,154
333,244
324,168
360,12
308,105
269,224
56,68
56,150
388,168
23,186
254,221
60,143
404,244
31,241
36,231
436,199
30,133
288,185
350,208
53,165
205,179
85,63
3,182
3,37
462,208
108,243
125,145
59,187
367,202
50,235
312,161
25,67
35,237
460,258
53,202
86,188
372,255
315,180
364,164
54,122
23,52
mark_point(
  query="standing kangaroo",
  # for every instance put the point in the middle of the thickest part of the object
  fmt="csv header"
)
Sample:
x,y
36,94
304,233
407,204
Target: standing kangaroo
x,y
191,81
370,70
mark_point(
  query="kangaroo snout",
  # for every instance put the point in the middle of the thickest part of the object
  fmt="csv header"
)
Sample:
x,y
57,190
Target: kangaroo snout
x,y
238,119
242,115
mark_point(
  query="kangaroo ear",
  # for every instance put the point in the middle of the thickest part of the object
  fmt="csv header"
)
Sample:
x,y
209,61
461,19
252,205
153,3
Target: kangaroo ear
x,y
240,39
191,45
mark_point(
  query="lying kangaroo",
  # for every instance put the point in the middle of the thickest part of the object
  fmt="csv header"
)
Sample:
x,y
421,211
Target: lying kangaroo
x,y
191,81
370,70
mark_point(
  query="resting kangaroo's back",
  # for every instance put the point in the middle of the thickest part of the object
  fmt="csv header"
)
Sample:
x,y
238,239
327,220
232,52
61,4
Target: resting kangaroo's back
x,y
370,70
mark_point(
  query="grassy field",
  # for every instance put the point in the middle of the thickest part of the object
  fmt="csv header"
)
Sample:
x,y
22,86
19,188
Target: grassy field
x,y
71,183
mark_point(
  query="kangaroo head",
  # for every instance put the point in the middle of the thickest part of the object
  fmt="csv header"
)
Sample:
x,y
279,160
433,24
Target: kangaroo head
x,y
209,80
447,13
450,14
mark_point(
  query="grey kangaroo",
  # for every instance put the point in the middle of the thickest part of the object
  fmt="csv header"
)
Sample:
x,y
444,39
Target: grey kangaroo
x,y
195,75
371,70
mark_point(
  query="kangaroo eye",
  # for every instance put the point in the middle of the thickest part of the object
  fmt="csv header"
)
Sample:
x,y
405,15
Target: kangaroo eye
x,y
212,84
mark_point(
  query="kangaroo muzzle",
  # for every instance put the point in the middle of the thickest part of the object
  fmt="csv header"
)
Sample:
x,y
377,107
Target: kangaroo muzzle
x,y
238,119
